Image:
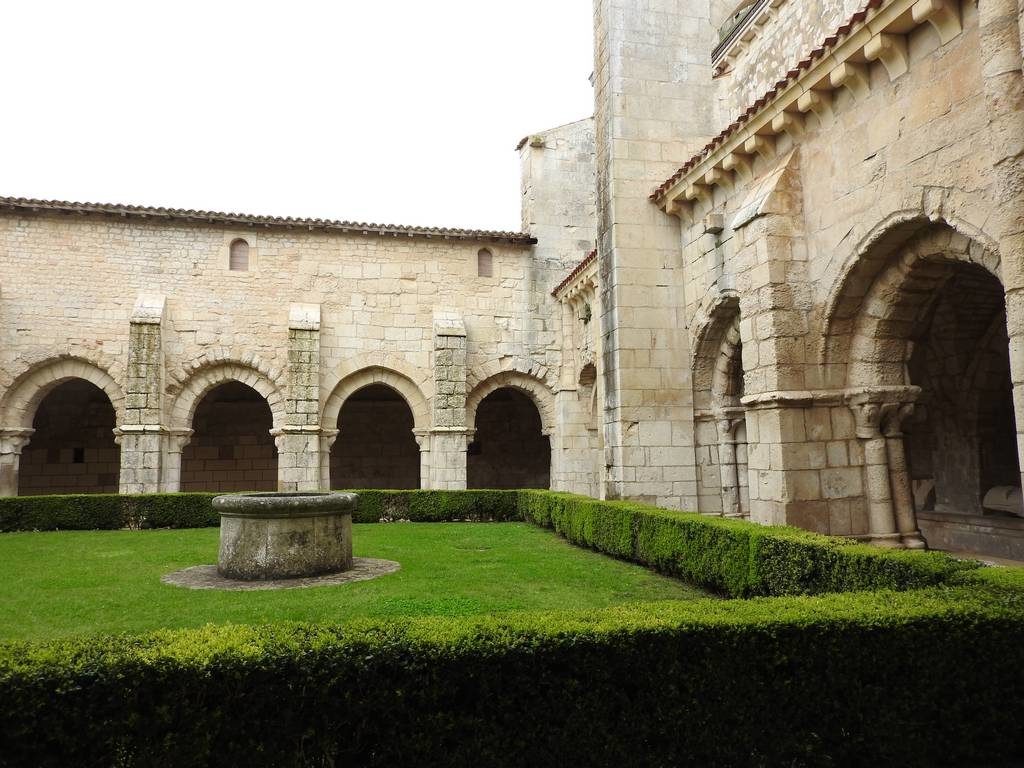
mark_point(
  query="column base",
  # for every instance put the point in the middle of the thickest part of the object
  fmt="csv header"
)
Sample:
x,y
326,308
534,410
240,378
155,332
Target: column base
x,y
889,540
913,540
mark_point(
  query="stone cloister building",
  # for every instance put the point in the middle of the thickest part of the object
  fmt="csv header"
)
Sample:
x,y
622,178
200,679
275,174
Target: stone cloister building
x,y
779,275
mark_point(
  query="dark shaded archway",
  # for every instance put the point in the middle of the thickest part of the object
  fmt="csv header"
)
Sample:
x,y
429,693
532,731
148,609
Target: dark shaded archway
x,y
231,447
961,440
72,449
376,447
509,449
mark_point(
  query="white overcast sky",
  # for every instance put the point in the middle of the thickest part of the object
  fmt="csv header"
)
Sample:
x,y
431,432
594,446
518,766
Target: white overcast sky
x,y
397,112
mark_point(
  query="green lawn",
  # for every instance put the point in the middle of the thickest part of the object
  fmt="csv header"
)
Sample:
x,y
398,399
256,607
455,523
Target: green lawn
x,y
75,582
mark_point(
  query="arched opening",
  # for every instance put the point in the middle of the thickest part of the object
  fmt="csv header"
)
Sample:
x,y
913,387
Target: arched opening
x,y
509,449
961,441
484,263
72,449
375,447
919,323
721,430
238,256
231,447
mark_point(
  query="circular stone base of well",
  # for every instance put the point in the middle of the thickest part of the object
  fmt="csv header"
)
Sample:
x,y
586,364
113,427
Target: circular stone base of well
x,y
206,577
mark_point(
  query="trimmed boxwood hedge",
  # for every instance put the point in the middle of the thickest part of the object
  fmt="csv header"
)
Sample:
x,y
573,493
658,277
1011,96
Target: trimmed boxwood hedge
x,y
86,512
854,656
738,558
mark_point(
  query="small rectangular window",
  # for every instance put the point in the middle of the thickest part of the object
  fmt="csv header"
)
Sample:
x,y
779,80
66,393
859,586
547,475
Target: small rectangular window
x,y
78,456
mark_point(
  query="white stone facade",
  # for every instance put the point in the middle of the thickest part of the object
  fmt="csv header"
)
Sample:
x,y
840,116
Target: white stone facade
x,y
804,303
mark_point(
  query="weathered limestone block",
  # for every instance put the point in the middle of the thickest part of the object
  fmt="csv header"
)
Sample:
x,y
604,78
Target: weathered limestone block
x,y
142,435
299,442
444,450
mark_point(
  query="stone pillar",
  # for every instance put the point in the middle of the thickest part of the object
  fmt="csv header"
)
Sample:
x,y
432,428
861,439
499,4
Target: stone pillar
x,y
142,435
873,410
327,440
444,452
299,442
775,300
1000,37
12,441
729,465
899,478
175,441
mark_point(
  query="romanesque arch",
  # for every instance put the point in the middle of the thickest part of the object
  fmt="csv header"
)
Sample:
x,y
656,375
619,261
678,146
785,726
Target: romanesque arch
x,y
511,416
62,414
905,238
720,422
917,329
232,409
32,385
206,378
529,385
376,412
400,382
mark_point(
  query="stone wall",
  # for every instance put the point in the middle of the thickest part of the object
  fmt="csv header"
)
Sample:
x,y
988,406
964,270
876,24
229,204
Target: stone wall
x,y
834,227
146,306
654,106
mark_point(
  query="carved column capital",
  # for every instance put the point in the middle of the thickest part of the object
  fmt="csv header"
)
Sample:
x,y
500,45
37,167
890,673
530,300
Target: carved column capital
x,y
881,409
895,417
13,440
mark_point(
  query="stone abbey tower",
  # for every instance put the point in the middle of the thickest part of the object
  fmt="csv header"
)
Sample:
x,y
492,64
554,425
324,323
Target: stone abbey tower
x,y
779,274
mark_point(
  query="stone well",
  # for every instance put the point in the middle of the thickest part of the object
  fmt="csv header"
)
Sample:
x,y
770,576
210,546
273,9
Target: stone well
x,y
266,536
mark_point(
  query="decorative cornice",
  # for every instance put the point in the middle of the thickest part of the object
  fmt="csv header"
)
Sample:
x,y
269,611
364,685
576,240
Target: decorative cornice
x,y
877,32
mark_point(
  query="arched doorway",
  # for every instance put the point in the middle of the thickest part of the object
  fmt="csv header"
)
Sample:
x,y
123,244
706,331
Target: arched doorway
x,y
920,324
231,447
509,448
376,446
72,449
961,439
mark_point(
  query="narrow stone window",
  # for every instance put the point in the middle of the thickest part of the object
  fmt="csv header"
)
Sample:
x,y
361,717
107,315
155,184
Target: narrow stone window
x,y
238,260
485,263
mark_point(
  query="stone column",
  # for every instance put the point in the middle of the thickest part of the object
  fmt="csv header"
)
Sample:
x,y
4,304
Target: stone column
x,y
869,414
899,478
729,465
142,435
1000,37
298,440
175,441
445,450
12,441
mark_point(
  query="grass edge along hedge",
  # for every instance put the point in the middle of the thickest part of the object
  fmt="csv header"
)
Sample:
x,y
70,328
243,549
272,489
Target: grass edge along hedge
x,y
926,668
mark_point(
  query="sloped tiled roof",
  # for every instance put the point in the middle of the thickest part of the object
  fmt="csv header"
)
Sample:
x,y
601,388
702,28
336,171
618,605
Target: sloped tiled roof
x,y
575,272
20,204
